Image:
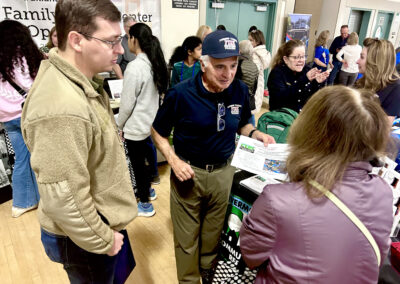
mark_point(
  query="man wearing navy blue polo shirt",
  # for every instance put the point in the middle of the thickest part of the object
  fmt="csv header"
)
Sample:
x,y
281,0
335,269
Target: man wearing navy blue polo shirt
x,y
206,112
336,46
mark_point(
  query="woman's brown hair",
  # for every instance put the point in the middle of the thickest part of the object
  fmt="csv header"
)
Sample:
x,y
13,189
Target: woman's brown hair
x,y
49,43
380,66
258,37
285,50
322,38
338,125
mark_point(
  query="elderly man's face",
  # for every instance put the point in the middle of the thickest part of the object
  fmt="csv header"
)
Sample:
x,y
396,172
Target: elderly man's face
x,y
219,73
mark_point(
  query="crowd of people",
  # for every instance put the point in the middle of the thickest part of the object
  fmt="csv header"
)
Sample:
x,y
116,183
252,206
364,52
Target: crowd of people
x,y
69,146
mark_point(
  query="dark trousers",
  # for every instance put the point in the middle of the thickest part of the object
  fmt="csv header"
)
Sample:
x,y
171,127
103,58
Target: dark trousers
x,y
137,151
81,266
336,68
346,78
151,157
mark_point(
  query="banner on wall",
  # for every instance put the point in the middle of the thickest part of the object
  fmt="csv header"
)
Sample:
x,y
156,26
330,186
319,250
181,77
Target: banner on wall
x,y
298,27
38,15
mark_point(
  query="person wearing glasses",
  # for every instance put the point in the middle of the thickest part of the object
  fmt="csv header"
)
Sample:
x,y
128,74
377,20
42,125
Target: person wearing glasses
x,y
291,83
206,112
146,78
86,193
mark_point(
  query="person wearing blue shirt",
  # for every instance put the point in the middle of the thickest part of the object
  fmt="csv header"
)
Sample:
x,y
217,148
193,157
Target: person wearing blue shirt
x,y
206,112
321,57
336,46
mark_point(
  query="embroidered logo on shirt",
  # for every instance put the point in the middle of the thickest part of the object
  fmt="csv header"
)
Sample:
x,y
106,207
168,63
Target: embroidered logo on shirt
x,y
235,109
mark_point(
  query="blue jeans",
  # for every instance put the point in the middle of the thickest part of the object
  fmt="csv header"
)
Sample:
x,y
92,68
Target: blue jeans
x,y
336,68
81,266
24,187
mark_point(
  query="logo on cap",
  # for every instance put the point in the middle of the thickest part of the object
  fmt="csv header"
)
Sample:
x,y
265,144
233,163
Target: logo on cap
x,y
230,43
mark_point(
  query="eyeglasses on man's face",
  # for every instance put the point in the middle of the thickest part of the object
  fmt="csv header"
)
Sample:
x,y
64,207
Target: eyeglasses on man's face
x,y
112,44
220,120
298,57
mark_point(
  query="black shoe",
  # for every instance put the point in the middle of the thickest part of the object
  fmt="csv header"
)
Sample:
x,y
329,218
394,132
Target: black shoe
x,y
207,275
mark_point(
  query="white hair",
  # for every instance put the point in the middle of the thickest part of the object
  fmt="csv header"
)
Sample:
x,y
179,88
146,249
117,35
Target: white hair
x,y
205,59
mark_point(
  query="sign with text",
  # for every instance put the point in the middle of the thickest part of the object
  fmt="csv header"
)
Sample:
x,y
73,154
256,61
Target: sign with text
x,y
38,16
185,4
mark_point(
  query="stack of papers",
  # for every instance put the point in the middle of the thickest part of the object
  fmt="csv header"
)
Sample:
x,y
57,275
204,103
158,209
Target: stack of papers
x,y
257,183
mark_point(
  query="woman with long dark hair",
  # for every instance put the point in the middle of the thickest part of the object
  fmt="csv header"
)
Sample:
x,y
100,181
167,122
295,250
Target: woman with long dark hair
x,y
185,60
146,78
19,63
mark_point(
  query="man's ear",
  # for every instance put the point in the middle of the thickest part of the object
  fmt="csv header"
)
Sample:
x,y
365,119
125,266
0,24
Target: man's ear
x,y
74,40
202,65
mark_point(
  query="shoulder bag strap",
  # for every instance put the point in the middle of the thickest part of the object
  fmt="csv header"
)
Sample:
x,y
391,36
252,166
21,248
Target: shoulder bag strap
x,y
351,216
15,86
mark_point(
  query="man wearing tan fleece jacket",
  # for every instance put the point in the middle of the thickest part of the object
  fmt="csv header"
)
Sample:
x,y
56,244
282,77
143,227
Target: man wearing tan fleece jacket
x,y
86,194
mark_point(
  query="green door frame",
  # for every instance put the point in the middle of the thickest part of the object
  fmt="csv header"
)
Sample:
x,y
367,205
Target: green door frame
x,y
364,23
391,16
269,33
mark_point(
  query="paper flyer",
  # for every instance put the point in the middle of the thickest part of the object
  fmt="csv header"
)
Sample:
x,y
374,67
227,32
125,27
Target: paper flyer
x,y
115,88
251,155
257,183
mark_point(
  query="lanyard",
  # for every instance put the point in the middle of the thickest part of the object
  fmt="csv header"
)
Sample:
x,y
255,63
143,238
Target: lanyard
x,y
183,63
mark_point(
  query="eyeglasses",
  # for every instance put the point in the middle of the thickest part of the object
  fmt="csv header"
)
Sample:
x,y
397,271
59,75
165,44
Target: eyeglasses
x,y
220,120
110,43
298,57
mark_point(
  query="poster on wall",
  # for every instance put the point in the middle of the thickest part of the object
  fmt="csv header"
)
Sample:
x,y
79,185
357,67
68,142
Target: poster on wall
x,y
298,27
38,16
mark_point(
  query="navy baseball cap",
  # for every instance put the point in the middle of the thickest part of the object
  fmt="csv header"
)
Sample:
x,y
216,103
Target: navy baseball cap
x,y
220,44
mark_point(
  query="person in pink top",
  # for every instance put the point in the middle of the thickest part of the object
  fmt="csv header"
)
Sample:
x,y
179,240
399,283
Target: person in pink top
x,y
19,62
293,233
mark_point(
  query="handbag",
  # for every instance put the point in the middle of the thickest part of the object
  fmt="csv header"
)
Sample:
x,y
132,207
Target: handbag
x,y
125,261
332,197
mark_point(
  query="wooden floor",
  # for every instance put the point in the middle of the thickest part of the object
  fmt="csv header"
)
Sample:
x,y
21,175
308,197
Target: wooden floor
x,y
23,260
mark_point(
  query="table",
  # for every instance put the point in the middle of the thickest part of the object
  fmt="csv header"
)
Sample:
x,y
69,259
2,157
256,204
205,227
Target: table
x,y
231,267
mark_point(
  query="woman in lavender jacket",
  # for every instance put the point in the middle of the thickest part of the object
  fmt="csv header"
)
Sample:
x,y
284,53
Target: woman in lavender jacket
x,y
293,233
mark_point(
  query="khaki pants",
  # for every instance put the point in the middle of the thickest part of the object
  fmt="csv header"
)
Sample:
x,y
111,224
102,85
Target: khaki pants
x,y
198,208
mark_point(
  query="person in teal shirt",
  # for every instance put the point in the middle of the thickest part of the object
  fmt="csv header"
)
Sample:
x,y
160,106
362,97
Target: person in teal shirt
x,y
185,60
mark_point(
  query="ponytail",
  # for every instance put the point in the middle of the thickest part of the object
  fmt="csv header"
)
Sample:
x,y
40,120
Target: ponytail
x,y
178,55
150,45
